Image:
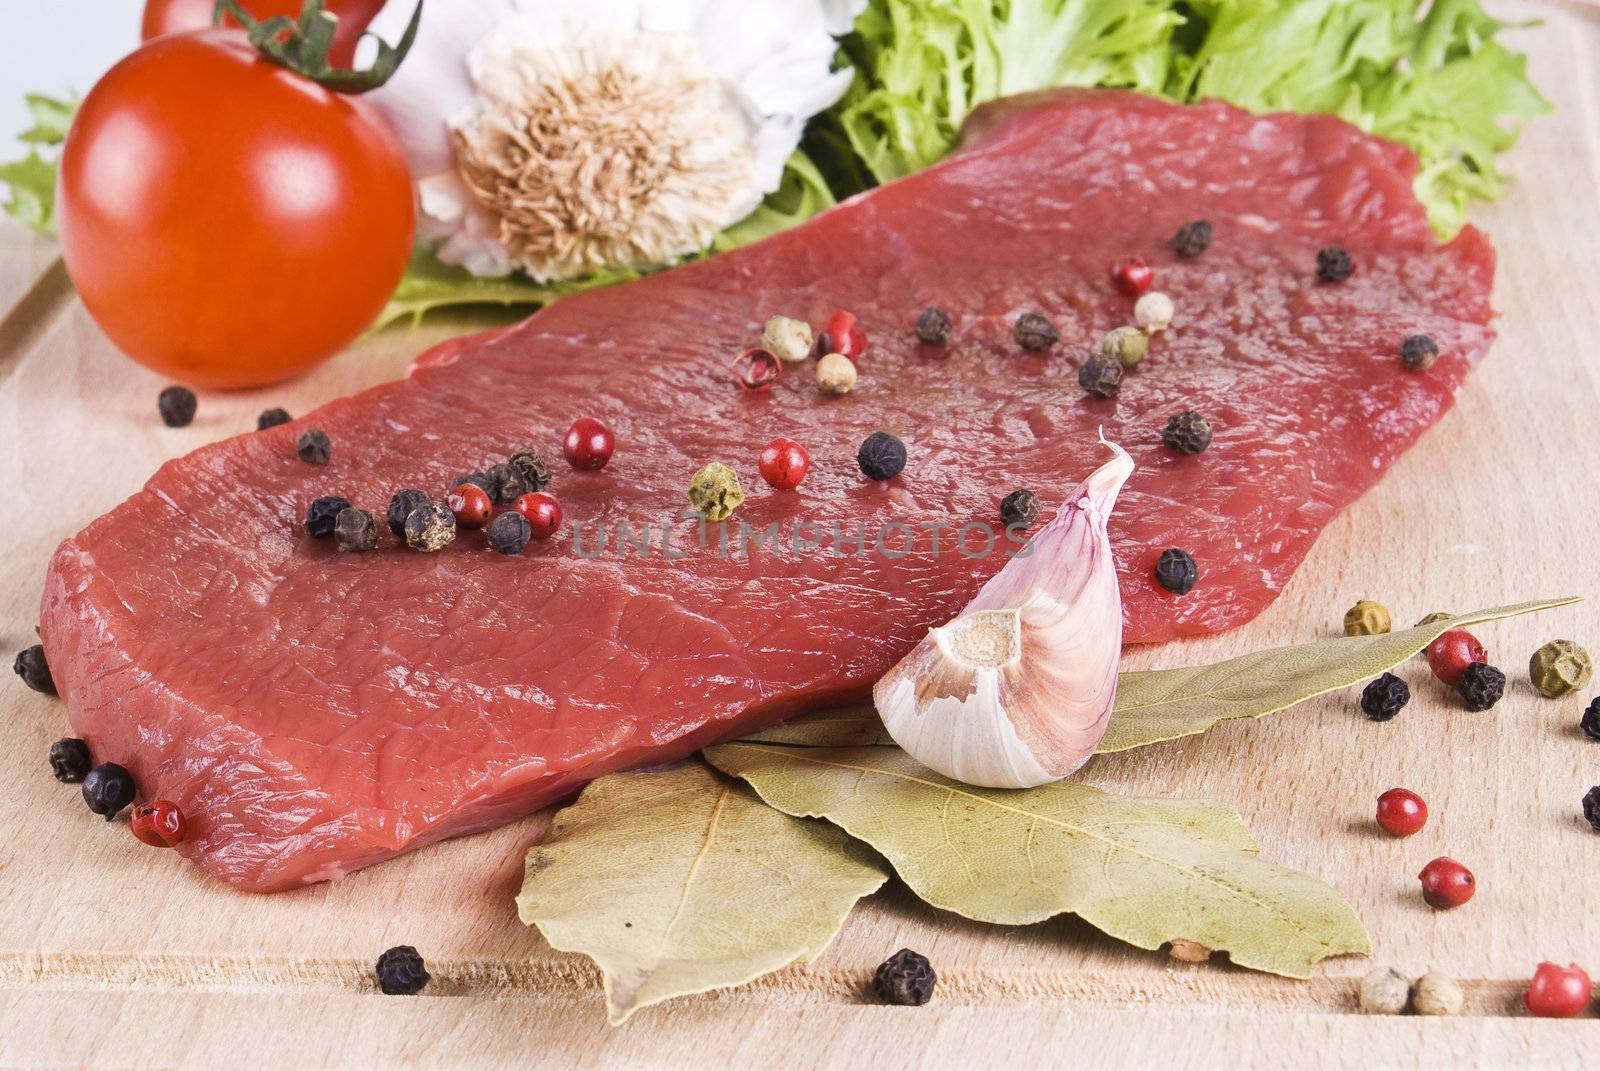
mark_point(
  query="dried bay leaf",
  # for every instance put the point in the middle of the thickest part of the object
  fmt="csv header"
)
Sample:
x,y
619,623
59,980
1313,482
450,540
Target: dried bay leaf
x,y
1145,871
1164,704
678,881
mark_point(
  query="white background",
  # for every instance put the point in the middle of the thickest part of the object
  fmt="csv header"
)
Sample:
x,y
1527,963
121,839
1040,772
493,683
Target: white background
x,y
52,46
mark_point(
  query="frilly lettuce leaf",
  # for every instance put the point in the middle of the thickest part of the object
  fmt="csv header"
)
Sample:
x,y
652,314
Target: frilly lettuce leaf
x,y
1429,75
922,65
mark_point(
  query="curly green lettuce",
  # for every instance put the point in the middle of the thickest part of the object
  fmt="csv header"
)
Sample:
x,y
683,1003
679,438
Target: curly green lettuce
x,y
1429,75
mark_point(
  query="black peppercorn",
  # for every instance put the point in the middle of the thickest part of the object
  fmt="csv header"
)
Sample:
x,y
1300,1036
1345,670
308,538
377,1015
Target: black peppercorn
x,y
271,418
1481,686
34,670
69,760
177,405
881,456
1033,332
1591,807
1176,571
510,532
1590,722
1192,239
314,447
1188,433
905,978
430,527
507,484
1101,377
107,789
1334,264
324,515
356,530
531,468
401,971
933,326
1019,509
1384,696
1418,352
400,506
480,479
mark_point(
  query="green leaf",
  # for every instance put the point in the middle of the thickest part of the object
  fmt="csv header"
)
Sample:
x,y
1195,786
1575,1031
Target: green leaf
x,y
429,285
1427,73
31,181
678,882
1145,871
1164,704
1156,705
52,116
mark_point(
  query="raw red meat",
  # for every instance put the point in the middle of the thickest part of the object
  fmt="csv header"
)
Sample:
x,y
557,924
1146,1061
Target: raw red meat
x,y
313,712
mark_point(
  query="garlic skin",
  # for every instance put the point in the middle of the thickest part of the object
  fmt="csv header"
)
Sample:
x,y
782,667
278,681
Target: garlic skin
x,y
1017,690
562,137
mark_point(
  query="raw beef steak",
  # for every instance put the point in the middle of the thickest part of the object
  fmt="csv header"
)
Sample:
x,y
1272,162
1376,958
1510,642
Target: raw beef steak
x,y
313,712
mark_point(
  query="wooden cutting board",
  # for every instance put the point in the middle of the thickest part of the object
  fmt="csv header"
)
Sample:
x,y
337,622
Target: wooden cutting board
x,y
112,954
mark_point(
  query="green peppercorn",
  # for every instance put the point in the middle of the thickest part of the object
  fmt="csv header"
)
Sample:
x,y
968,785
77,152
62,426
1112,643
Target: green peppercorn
x,y
1125,345
715,492
1366,618
788,340
1559,668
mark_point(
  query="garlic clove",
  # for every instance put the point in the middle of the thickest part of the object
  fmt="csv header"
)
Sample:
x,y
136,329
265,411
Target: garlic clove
x,y
1017,690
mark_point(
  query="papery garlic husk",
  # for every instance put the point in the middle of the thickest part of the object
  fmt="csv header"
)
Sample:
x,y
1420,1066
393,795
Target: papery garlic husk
x,y
1017,690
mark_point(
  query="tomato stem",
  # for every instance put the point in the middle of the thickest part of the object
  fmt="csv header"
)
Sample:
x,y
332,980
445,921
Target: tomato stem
x,y
302,45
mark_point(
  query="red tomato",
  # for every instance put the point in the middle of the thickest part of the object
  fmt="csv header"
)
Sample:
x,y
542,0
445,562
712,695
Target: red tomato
x,y
162,17
227,222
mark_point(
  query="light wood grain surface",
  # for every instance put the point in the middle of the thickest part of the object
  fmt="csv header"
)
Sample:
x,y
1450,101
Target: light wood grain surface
x,y
112,954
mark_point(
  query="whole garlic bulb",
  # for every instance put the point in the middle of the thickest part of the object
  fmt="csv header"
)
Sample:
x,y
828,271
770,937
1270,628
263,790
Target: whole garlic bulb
x,y
1017,690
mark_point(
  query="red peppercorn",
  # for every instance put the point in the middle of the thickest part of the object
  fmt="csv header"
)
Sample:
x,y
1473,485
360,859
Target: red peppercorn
x,y
756,370
1451,654
588,444
1446,883
784,463
841,335
1401,812
158,823
542,511
1131,275
470,503
1558,992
